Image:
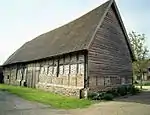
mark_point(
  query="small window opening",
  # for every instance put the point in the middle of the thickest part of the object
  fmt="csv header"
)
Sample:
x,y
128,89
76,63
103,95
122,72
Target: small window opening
x,y
7,76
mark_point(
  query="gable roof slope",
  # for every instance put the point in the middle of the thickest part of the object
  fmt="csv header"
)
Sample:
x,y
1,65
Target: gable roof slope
x,y
71,37
74,36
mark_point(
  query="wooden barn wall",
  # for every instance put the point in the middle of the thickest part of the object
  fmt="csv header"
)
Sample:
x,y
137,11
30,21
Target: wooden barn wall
x,y
67,71
109,60
1,75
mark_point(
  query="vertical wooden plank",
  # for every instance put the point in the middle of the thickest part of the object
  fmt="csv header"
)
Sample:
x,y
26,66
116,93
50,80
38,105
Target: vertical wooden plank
x,y
86,77
69,70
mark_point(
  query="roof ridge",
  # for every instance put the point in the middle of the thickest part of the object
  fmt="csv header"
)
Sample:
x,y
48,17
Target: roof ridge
x,y
72,21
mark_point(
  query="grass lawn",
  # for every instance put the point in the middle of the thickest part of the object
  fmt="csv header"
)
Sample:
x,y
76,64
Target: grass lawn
x,y
54,100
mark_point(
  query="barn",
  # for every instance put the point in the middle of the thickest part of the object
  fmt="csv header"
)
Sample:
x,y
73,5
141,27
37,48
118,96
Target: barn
x,y
89,54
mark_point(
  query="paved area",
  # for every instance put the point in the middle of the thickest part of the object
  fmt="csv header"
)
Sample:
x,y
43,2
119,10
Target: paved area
x,y
13,105
133,105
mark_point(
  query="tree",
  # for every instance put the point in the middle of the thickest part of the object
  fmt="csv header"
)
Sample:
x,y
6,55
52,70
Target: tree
x,y
141,54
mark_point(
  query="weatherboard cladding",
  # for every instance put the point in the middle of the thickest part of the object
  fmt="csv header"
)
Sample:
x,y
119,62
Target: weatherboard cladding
x,y
74,36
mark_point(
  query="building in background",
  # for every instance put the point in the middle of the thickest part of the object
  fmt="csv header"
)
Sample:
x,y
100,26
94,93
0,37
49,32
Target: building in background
x,y
146,76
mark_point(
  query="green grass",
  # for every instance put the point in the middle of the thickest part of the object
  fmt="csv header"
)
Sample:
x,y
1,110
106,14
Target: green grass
x,y
54,100
144,84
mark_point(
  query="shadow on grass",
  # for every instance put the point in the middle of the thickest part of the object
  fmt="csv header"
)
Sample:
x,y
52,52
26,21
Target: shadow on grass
x,y
3,90
143,98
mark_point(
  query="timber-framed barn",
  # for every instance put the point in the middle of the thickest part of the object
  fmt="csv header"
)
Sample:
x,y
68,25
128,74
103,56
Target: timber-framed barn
x,y
91,53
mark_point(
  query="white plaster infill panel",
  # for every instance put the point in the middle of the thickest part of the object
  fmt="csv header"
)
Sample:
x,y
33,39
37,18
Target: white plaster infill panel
x,y
50,71
61,70
81,69
66,70
55,85
73,70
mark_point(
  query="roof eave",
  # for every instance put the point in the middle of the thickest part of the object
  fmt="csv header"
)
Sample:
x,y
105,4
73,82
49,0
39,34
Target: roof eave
x,y
124,31
57,55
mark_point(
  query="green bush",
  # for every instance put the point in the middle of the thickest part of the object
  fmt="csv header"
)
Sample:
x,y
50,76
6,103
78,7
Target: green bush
x,y
100,96
95,96
113,92
108,96
146,84
92,95
122,90
129,87
134,90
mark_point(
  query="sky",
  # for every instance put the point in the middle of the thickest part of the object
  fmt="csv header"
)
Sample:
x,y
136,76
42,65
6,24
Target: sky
x,y
23,20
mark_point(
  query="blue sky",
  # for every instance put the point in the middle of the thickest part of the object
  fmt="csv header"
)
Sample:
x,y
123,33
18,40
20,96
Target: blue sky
x,y
23,20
